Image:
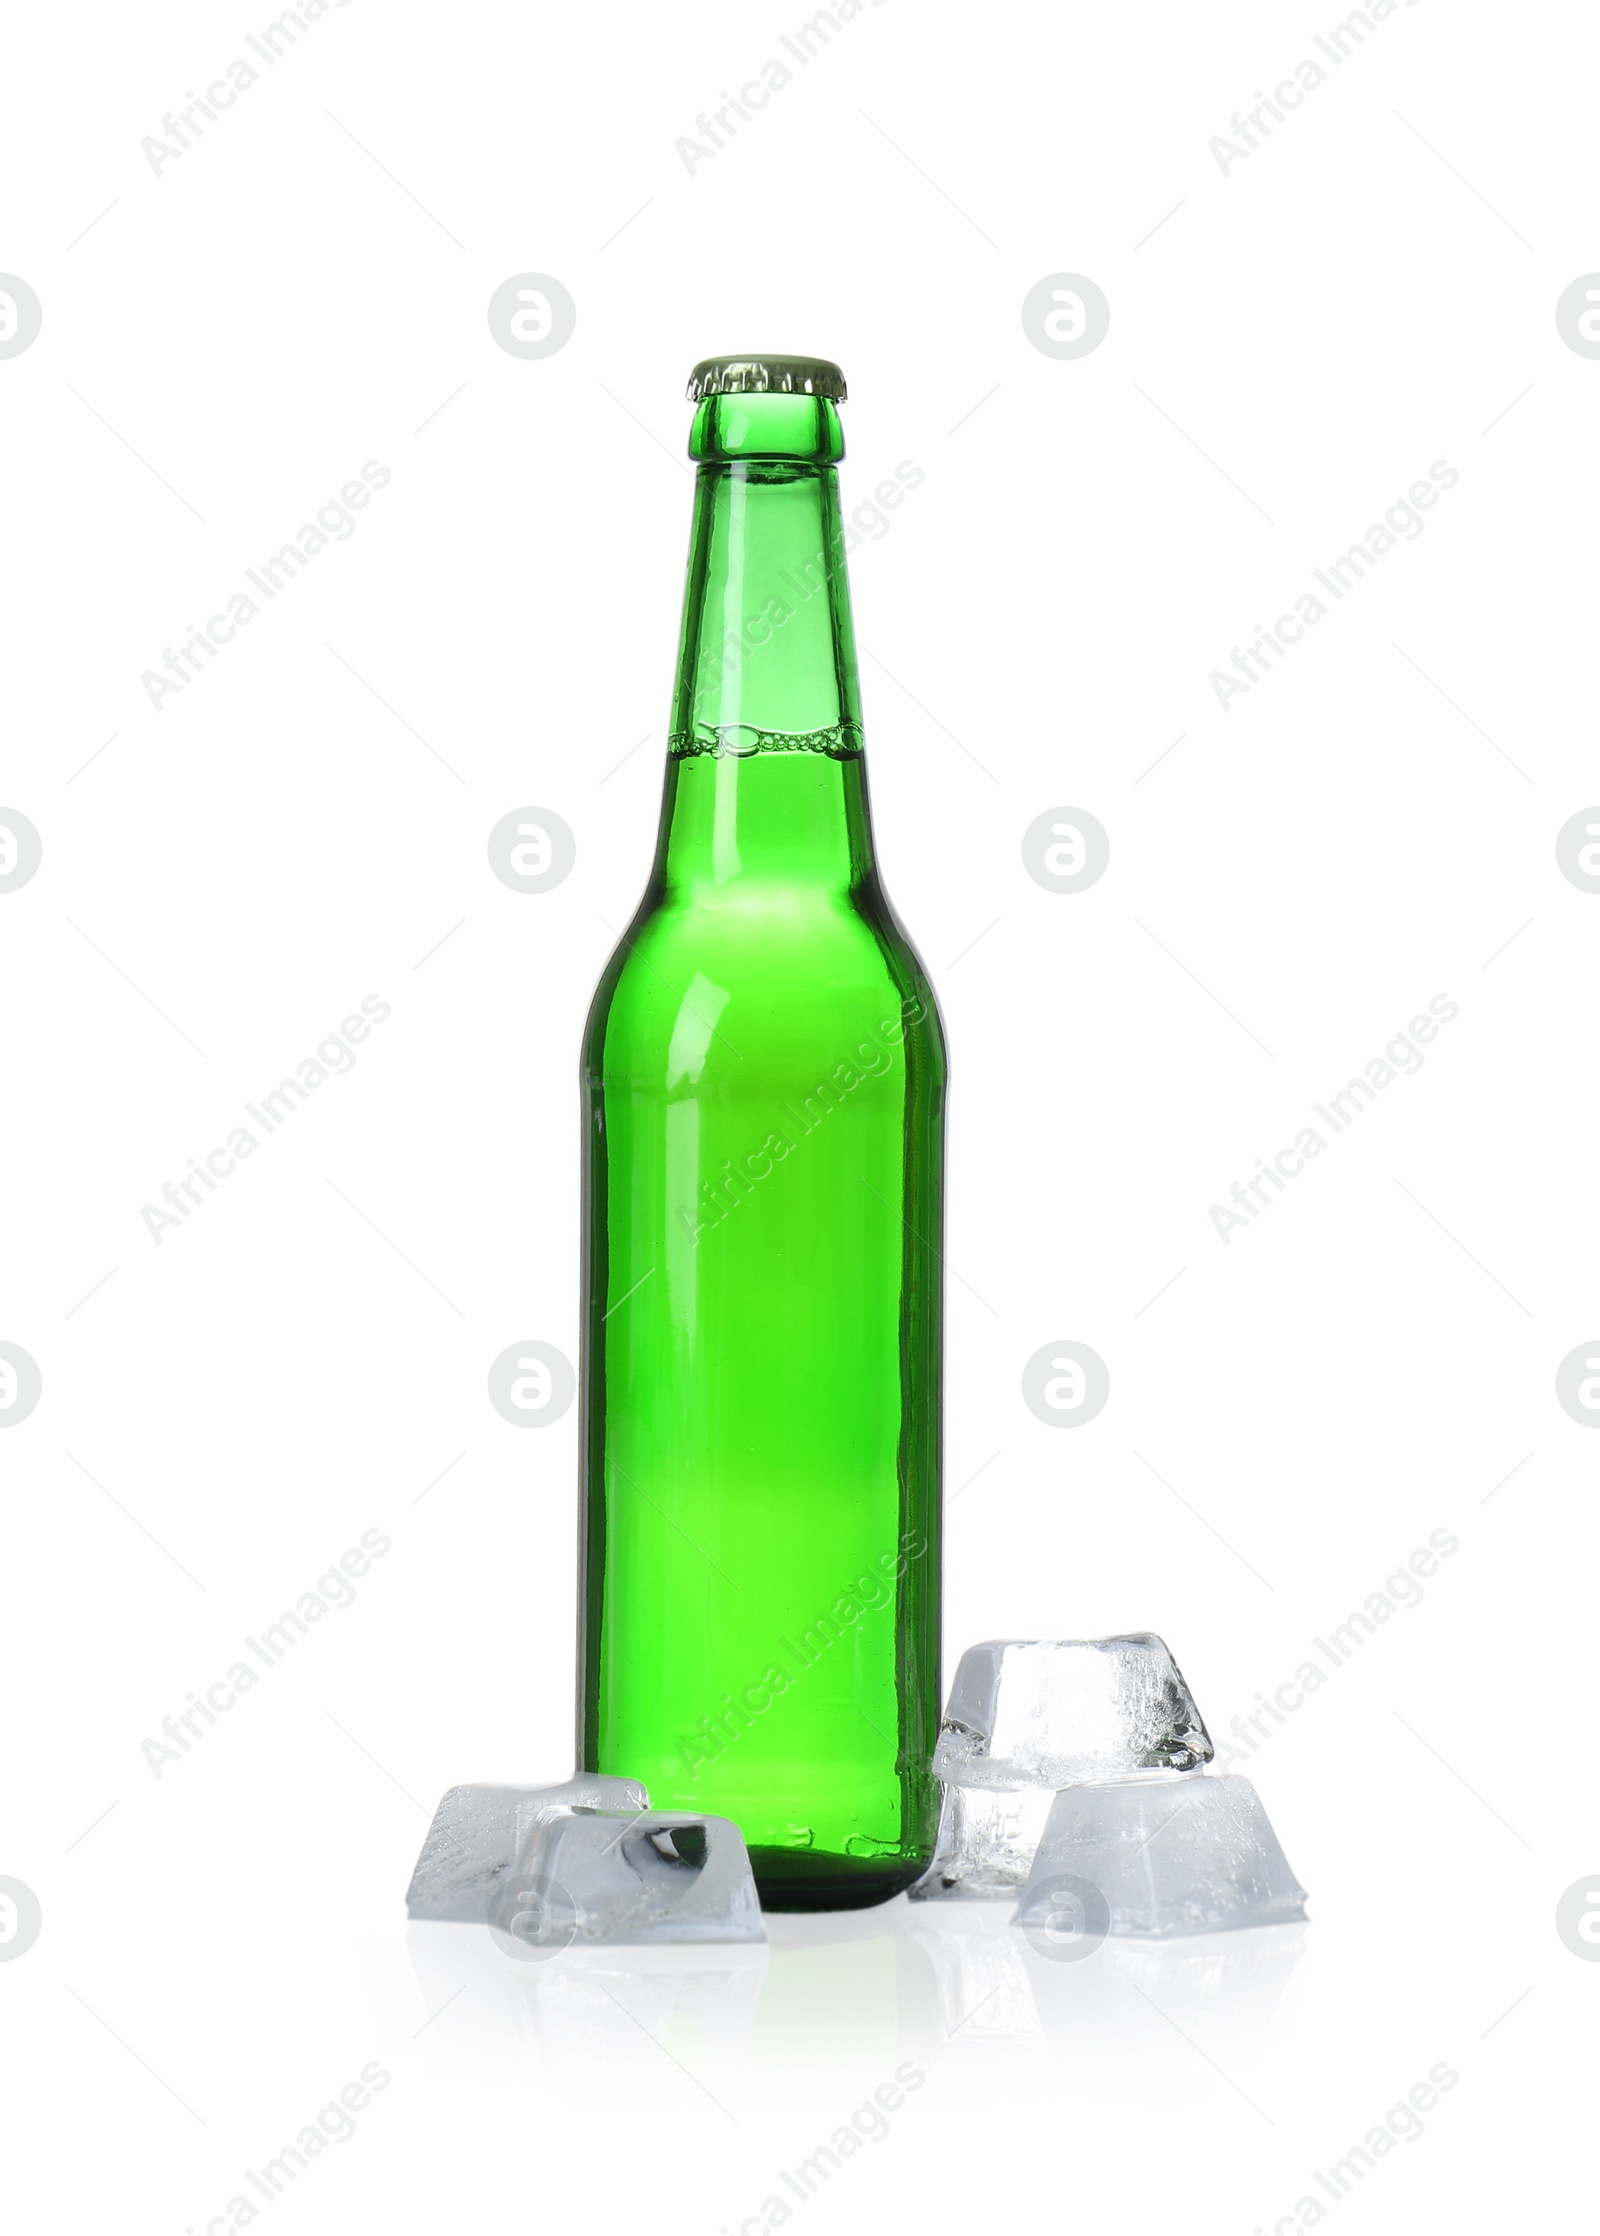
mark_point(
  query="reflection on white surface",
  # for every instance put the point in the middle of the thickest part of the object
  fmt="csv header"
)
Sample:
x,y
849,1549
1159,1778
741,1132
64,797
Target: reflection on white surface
x,y
1218,1988
933,1983
586,2005
976,1959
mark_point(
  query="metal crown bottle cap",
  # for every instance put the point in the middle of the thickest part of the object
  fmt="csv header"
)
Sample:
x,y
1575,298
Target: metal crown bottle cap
x,y
763,376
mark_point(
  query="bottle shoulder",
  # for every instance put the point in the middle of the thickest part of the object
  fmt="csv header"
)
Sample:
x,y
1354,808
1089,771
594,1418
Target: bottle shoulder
x,y
759,974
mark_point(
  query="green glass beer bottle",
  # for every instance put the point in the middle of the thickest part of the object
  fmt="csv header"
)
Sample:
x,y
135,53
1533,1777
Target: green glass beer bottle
x,y
763,1084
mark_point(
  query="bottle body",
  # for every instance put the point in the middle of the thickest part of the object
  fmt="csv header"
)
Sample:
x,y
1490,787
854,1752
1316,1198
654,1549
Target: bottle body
x,y
763,1080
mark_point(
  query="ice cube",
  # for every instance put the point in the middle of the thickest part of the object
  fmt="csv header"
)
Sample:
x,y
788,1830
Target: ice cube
x,y
591,1878
1054,1712
479,1833
1029,1716
1154,1858
986,1841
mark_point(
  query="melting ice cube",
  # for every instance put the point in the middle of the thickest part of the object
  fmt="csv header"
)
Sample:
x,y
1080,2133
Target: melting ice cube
x,y
479,1835
986,1841
1155,1858
595,1877
1053,1712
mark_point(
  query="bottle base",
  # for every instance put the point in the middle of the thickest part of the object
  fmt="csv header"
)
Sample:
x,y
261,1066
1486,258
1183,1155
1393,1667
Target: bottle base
x,y
804,1879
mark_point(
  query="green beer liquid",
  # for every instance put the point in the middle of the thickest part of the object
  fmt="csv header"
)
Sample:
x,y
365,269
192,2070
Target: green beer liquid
x,y
763,1080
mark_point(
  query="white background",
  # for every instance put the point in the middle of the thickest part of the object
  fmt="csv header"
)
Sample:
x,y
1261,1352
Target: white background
x,y
1292,344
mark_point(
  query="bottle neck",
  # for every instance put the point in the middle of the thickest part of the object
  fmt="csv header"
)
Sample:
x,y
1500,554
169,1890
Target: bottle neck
x,y
765,779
